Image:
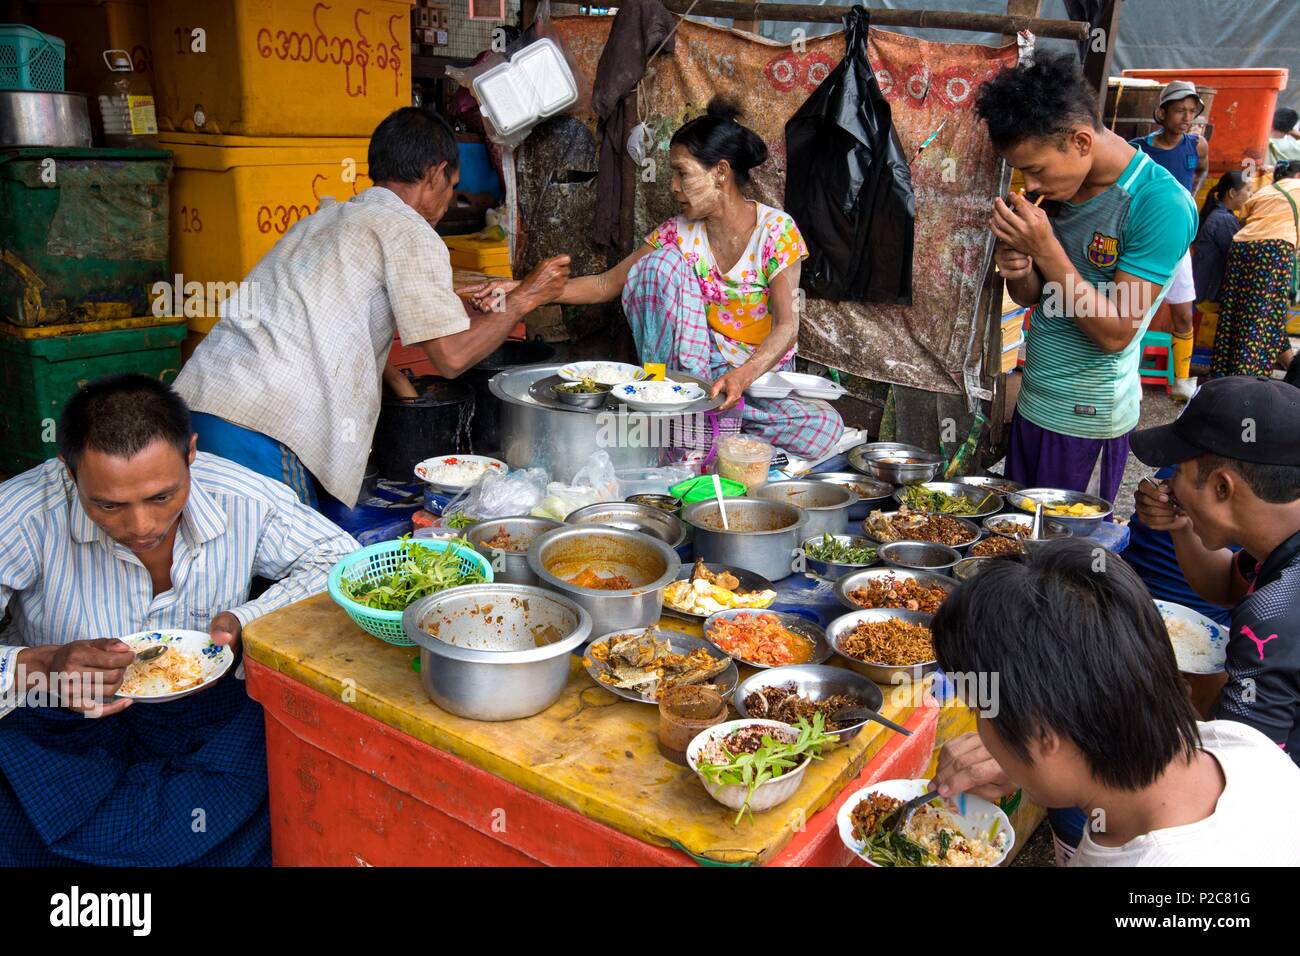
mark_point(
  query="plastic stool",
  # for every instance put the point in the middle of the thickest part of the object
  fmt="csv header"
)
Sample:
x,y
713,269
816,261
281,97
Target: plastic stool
x,y
1156,345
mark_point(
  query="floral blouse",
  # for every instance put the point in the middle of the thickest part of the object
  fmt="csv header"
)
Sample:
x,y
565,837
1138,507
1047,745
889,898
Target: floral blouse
x,y
737,300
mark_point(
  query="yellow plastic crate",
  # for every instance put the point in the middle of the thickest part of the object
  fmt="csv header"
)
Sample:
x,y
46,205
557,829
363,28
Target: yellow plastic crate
x,y
233,197
280,67
491,256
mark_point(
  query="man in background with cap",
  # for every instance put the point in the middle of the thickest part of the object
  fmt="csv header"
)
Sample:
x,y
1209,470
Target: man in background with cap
x,y
1237,451
1186,156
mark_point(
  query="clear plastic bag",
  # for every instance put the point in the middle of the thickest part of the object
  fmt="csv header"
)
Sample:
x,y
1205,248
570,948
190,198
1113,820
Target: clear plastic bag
x,y
594,482
500,496
516,93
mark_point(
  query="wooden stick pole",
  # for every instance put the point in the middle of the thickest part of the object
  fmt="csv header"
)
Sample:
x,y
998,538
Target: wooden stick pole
x,y
928,19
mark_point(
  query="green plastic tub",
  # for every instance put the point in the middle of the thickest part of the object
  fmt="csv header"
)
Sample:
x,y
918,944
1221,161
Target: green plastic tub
x,y
39,375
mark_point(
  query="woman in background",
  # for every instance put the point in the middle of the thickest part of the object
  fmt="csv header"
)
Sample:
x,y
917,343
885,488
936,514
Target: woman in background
x,y
1219,224
713,291
1251,335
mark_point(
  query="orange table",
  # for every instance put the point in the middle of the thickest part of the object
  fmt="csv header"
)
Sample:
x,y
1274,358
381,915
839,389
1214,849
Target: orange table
x,y
363,768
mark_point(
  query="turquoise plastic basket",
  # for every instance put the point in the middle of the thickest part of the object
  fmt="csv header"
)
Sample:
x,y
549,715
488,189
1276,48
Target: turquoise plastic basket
x,y
380,560
30,59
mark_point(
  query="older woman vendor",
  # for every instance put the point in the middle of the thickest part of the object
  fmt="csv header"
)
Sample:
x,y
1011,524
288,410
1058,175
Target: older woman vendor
x,y
713,291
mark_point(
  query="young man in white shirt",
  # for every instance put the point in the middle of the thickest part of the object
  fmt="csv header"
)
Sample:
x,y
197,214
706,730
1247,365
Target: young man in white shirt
x,y
1091,712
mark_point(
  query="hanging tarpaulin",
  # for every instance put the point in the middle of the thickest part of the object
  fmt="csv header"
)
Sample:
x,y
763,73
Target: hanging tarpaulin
x,y
848,184
929,87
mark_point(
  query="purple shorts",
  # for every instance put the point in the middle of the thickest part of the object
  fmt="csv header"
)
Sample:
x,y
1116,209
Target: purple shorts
x,y
1038,458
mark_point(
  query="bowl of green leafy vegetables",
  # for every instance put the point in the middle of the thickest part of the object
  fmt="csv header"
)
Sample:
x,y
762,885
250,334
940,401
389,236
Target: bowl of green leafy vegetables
x,y
376,584
832,556
754,765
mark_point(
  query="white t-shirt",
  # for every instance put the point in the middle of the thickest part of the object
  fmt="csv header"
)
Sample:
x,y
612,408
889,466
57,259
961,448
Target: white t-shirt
x,y
1254,823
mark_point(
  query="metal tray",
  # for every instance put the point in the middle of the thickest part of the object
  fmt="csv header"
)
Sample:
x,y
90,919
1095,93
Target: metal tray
x,y
749,581
725,681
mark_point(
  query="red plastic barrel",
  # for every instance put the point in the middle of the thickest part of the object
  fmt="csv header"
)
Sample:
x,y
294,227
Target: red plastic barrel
x,y
1243,110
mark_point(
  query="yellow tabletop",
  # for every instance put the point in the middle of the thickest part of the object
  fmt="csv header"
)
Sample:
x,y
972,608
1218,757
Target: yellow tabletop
x,y
590,751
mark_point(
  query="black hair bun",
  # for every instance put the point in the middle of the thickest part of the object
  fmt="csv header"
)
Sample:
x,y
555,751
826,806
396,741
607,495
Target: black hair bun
x,y
723,108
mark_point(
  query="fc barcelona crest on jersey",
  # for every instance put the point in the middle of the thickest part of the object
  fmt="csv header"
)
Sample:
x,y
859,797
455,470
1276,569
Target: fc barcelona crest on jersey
x,y
1103,250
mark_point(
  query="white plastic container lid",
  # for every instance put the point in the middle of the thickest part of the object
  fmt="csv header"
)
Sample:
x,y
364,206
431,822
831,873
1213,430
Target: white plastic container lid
x,y
506,105
547,74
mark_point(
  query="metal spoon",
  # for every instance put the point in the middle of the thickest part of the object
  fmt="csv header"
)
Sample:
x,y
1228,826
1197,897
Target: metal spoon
x,y
899,819
856,715
151,653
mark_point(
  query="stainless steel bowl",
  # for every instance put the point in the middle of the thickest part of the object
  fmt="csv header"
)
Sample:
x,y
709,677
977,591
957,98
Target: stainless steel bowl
x,y
630,516
583,399
985,502
1023,500
647,562
851,582
749,581
1052,528
871,492
858,455
994,483
662,502
880,673
825,506
504,670
793,622
920,556
833,570
967,568
34,118
976,532
816,682
763,538
897,472
509,567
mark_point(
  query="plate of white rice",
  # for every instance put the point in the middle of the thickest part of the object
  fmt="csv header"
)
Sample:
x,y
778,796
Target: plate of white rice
x,y
606,373
452,474
1200,645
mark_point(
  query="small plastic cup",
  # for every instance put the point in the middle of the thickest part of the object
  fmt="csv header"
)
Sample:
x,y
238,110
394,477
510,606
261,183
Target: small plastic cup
x,y
745,459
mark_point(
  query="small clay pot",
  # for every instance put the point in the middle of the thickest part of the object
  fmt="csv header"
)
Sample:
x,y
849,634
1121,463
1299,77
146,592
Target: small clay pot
x,y
683,713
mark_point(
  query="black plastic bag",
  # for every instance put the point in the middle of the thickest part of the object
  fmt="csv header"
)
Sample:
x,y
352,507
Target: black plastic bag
x,y
848,185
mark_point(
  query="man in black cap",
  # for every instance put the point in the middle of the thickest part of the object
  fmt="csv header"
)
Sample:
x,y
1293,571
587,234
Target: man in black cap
x,y
1237,451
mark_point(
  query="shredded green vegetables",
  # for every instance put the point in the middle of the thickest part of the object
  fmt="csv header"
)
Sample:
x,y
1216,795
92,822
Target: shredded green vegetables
x,y
423,571
837,552
920,498
458,521
769,761
894,849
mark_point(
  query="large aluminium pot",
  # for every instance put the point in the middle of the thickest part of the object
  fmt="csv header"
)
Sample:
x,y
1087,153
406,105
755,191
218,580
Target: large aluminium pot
x,y
764,535
505,663
647,562
485,430
411,430
31,118
537,431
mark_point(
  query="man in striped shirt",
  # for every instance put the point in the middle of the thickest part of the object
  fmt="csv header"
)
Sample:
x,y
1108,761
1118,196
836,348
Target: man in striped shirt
x,y
1095,270
131,529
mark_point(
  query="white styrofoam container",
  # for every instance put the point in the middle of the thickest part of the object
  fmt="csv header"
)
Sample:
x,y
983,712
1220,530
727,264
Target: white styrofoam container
x,y
536,84
548,75
782,384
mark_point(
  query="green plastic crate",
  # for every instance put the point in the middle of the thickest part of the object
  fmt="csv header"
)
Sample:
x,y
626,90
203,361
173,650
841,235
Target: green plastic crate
x,y
83,233
30,59
39,375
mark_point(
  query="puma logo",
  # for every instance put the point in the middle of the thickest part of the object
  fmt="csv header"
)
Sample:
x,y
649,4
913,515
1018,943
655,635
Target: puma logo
x,y
1259,645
